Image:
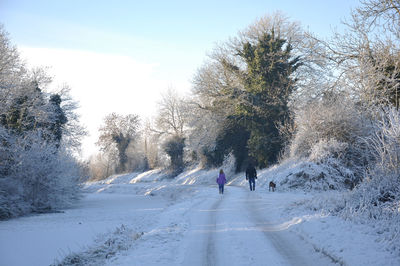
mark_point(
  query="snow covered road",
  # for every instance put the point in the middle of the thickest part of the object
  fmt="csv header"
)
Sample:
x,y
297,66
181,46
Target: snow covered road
x,y
240,228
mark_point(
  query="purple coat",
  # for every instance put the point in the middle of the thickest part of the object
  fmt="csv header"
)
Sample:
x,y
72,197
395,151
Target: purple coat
x,y
221,179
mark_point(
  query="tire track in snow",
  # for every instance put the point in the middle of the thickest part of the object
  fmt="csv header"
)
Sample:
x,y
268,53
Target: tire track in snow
x,y
200,247
210,250
276,239
280,239
235,229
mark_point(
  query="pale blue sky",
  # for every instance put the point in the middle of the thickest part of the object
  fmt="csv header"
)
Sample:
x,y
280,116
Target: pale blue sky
x,y
124,53
153,30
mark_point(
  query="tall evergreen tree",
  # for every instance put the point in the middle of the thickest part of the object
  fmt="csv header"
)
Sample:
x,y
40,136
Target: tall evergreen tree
x,y
267,85
59,119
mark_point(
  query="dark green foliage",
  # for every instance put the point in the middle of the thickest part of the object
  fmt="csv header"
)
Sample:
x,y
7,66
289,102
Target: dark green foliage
x,y
56,125
117,134
17,117
233,138
33,112
174,148
122,143
209,158
267,85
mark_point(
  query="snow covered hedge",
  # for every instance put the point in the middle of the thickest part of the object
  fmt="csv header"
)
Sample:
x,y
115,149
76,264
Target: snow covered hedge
x,y
35,176
376,200
378,197
332,132
339,145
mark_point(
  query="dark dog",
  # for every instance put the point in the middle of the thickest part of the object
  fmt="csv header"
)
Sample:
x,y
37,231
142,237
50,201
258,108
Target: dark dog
x,y
272,186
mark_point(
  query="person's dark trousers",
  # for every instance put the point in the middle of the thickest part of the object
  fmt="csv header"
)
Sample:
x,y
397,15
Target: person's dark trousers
x,y
221,189
252,183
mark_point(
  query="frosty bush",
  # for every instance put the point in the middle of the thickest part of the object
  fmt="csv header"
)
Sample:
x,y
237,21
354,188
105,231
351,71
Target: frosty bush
x,y
50,175
376,200
39,177
335,117
174,147
378,197
386,141
306,175
382,184
325,149
6,142
229,164
333,131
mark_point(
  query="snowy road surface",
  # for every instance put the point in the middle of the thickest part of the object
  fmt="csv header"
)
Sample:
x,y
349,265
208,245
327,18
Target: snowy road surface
x,y
172,223
236,229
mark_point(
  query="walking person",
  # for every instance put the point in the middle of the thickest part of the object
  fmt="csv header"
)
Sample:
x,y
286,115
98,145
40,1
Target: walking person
x,y
221,180
251,175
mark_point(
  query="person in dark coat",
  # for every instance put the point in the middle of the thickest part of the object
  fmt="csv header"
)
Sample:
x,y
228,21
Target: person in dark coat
x,y
251,175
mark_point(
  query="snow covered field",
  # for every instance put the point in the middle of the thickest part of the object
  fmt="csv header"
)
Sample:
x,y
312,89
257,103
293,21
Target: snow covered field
x,y
145,219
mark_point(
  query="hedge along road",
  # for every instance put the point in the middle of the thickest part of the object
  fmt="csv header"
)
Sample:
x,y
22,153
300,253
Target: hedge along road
x,y
243,228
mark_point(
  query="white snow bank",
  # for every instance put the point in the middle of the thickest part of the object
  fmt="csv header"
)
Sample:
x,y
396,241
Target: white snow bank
x,y
305,176
105,247
346,242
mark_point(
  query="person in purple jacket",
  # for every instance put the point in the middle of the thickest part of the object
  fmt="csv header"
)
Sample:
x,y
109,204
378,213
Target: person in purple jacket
x,y
221,180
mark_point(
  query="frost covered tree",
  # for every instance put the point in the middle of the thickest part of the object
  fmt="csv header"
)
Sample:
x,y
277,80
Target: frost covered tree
x,y
366,55
209,108
38,169
117,133
171,118
102,165
171,126
250,81
376,24
338,125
